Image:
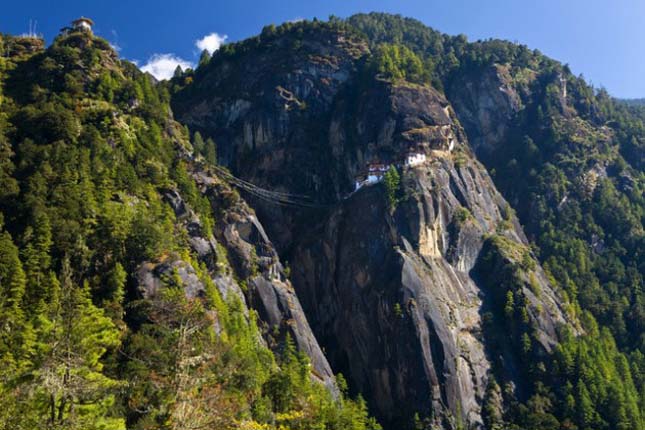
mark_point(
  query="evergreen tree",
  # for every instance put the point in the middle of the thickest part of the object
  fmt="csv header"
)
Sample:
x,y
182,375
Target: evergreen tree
x,y
71,386
392,182
198,143
8,184
210,151
15,333
37,241
204,58
115,294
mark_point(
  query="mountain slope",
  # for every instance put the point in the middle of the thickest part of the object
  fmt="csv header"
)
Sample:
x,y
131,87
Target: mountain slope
x,y
456,227
131,276
427,295
395,292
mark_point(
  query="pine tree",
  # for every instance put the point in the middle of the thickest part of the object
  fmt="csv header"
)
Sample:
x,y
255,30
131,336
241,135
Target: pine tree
x,y
8,185
585,407
210,151
509,307
392,182
71,385
17,340
13,328
115,293
204,58
198,143
37,241
178,72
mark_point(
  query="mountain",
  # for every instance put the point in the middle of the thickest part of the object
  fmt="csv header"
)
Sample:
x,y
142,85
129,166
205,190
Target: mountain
x,y
632,102
128,269
455,227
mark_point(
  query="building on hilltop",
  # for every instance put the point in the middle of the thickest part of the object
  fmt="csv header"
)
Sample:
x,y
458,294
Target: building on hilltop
x,y
83,24
80,24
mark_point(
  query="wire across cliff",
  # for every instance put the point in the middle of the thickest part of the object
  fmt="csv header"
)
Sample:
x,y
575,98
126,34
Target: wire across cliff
x,y
276,197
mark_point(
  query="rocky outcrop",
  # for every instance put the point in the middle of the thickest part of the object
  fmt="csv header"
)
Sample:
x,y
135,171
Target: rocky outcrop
x,y
254,259
267,112
394,300
393,296
486,102
17,46
386,121
240,250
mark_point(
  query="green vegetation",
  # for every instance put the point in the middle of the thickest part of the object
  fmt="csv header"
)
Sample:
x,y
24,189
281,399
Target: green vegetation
x,y
585,383
207,149
632,102
447,56
462,215
574,170
398,63
88,149
87,152
504,265
392,181
398,311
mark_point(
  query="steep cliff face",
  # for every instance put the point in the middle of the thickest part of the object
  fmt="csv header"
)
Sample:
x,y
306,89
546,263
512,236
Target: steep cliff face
x,y
396,297
393,295
240,260
267,110
487,102
268,288
394,301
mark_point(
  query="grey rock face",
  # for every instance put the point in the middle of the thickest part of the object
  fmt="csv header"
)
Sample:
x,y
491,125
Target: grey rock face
x,y
244,244
486,104
266,110
393,297
394,301
386,121
153,276
254,258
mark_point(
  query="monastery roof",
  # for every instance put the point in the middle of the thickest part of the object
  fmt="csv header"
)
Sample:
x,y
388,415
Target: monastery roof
x,y
81,20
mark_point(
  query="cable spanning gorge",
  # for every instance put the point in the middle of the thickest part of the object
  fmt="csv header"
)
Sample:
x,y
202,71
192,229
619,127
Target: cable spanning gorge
x,y
276,197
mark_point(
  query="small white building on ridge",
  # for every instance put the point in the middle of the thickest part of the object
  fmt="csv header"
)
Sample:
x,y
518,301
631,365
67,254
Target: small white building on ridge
x,y
414,159
83,24
375,173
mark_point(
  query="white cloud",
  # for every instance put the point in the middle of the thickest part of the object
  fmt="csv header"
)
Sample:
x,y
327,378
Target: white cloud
x,y
114,43
162,66
211,42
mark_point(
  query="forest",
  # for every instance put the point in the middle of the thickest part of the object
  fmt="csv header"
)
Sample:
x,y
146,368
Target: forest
x,y
88,147
89,150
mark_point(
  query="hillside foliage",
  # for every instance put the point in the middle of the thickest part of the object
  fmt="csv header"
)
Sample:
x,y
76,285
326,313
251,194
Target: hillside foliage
x,y
573,171
88,148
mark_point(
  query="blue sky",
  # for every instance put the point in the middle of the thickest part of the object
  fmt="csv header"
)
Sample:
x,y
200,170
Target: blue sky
x,y
603,40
